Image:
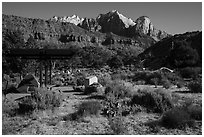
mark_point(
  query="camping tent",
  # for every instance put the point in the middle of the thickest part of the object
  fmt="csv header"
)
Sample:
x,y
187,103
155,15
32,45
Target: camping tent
x,y
27,83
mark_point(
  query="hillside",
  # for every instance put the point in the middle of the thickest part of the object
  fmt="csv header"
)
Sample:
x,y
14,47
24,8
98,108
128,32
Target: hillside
x,y
49,32
178,51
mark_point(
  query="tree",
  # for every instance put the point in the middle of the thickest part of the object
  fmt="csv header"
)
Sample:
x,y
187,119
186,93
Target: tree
x,y
183,55
115,62
13,39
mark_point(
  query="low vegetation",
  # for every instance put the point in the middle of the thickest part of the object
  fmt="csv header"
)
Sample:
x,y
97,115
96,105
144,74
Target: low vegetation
x,y
176,118
195,87
157,101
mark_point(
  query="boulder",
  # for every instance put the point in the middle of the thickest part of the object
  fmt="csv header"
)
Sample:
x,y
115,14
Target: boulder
x,y
28,83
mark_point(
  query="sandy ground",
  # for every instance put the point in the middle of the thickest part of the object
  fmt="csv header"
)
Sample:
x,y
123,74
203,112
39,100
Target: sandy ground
x,y
49,122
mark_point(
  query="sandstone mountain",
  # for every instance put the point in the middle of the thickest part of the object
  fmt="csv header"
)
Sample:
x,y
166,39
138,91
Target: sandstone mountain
x,y
59,33
144,25
118,24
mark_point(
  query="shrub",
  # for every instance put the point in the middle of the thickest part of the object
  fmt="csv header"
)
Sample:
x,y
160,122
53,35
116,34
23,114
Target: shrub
x,y
176,118
46,99
118,89
155,81
27,105
195,111
104,79
148,77
183,55
117,125
89,108
195,87
9,107
115,62
40,99
166,83
80,80
157,100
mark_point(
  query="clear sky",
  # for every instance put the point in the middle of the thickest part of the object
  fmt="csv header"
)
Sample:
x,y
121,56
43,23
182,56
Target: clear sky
x,y
171,17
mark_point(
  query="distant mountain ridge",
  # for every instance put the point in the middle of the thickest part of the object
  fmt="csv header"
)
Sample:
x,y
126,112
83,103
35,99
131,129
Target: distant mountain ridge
x,y
116,23
59,33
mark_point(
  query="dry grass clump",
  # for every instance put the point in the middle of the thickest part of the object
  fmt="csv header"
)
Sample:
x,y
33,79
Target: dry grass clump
x,y
89,108
157,101
40,99
85,109
9,108
117,125
176,118
118,89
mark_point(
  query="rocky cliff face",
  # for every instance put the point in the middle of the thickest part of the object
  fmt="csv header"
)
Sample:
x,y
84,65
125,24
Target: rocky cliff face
x,y
90,24
144,25
116,23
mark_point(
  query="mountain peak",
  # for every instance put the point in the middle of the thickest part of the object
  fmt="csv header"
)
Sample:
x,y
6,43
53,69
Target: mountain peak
x,y
71,19
114,11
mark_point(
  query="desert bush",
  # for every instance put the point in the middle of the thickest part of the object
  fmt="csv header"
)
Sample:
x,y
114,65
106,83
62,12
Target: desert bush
x,y
176,118
183,55
80,81
40,99
166,83
157,100
154,81
195,86
117,125
9,108
89,108
27,105
104,79
47,99
148,77
118,89
195,111
115,62
116,107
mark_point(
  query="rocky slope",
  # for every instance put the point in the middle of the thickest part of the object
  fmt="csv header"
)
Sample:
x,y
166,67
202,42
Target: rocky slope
x,y
117,23
181,50
60,32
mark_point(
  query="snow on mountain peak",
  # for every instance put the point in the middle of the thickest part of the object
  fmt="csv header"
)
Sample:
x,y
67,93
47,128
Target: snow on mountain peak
x,y
127,21
72,19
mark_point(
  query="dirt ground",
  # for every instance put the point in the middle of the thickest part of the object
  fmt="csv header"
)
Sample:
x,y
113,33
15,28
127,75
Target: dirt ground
x,y
49,122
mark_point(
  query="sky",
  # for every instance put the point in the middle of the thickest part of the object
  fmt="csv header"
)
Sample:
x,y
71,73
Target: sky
x,y
174,17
